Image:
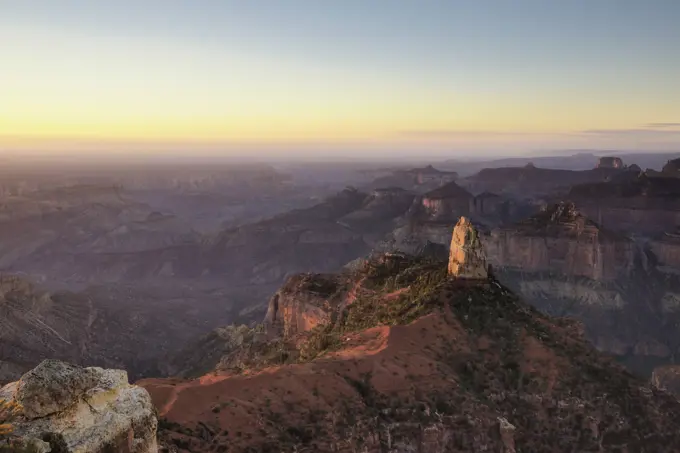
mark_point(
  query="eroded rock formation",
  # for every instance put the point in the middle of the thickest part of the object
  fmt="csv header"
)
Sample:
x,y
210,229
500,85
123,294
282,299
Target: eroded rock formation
x,y
530,181
64,408
303,302
641,205
447,202
666,250
561,240
467,259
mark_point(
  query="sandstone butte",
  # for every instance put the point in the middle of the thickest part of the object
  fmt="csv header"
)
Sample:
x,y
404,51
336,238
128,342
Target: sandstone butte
x,y
62,408
403,354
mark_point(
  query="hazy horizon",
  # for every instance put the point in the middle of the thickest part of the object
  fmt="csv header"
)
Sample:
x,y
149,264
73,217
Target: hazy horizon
x,y
262,80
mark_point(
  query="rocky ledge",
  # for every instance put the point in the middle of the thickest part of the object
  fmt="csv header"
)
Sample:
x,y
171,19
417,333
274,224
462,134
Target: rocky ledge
x,y
57,407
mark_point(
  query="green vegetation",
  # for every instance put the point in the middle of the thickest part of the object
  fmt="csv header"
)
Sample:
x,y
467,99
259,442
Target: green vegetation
x,y
398,290
510,364
321,284
419,284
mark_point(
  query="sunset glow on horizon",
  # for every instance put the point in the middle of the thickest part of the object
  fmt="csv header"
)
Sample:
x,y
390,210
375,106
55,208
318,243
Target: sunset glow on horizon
x,y
441,76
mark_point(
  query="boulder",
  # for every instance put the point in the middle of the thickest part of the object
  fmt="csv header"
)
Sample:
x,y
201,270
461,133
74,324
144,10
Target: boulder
x,y
51,387
467,259
66,408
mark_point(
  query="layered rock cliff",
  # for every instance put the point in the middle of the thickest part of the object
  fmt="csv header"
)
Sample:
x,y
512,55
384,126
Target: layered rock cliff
x,y
61,408
419,180
446,203
666,250
532,181
624,291
561,240
643,205
433,215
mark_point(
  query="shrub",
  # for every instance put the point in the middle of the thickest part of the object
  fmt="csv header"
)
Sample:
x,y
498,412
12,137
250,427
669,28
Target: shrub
x,y
8,411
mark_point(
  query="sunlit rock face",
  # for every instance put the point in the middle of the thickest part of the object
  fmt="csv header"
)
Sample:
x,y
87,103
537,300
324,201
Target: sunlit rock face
x,y
303,302
64,408
467,259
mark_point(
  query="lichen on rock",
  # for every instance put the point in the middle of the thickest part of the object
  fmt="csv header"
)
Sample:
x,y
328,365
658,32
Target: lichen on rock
x,y
67,408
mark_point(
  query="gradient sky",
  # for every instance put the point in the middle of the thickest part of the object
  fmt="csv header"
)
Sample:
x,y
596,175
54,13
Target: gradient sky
x,y
346,77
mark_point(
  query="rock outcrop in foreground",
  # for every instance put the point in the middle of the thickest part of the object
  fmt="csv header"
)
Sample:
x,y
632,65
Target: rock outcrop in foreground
x,y
63,408
404,357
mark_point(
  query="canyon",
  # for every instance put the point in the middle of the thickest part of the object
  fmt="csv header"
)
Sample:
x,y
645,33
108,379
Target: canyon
x,y
623,287
402,354
89,299
353,286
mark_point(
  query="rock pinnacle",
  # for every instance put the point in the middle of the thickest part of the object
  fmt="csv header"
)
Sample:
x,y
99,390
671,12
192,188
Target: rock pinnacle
x,y
467,259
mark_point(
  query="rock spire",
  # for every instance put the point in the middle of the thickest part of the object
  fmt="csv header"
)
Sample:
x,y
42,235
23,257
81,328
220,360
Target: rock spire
x,y
467,259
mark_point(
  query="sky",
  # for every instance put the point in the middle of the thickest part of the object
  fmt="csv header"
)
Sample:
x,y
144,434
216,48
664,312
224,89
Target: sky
x,y
351,78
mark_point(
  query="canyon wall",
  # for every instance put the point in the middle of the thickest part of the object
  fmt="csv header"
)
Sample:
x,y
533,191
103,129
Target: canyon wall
x,y
580,251
626,291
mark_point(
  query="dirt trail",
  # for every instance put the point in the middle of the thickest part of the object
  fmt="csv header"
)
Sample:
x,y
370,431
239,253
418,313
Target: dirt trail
x,y
397,293
178,388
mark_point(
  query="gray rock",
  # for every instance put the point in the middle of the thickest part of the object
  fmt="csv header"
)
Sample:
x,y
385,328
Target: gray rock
x,y
71,409
51,387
